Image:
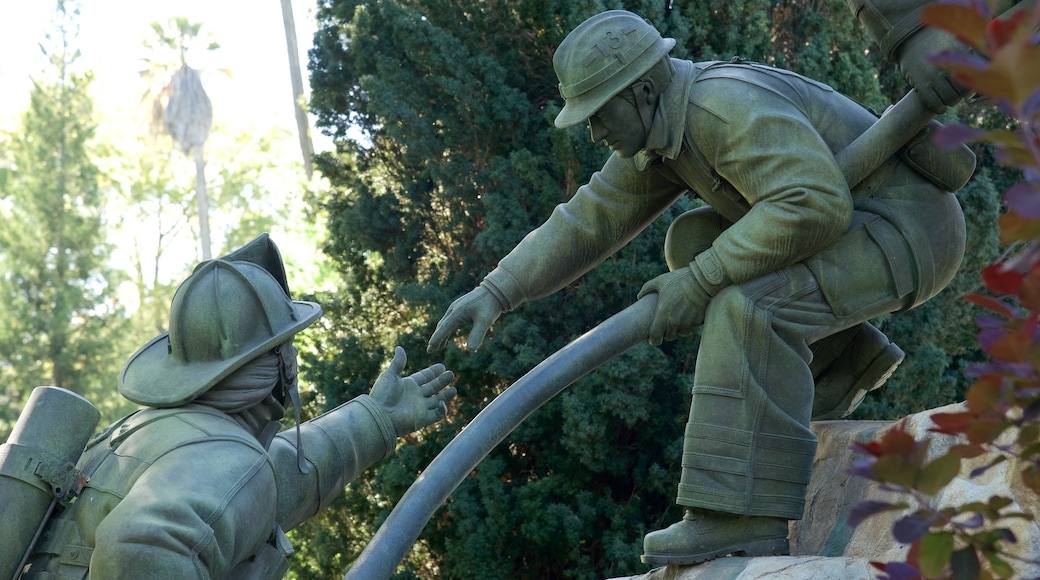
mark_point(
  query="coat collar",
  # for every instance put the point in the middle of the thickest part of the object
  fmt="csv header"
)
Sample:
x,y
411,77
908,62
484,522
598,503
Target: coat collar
x,y
666,133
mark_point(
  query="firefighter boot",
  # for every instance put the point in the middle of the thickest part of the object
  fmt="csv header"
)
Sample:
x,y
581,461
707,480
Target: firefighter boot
x,y
847,366
704,535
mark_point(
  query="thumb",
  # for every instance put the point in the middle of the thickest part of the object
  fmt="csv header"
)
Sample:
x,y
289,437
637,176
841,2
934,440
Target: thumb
x,y
650,287
476,336
398,363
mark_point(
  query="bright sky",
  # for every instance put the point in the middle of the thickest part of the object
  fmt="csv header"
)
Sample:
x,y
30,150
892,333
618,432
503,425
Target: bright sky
x,y
257,97
250,34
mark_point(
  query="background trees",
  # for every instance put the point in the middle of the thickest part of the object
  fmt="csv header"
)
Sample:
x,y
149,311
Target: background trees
x,y
59,322
442,115
98,221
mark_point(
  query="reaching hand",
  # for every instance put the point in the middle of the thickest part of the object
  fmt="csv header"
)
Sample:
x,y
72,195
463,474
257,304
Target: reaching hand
x,y
478,307
680,304
417,400
933,85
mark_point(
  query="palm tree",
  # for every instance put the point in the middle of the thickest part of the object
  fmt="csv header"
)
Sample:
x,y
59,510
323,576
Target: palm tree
x,y
181,106
302,126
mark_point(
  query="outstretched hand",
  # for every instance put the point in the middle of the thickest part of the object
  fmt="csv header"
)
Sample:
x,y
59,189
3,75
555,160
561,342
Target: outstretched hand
x,y
477,307
415,401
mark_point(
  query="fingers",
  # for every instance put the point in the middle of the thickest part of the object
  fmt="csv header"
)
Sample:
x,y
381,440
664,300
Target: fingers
x,y
441,399
427,374
445,328
656,331
649,287
436,408
439,402
433,384
397,364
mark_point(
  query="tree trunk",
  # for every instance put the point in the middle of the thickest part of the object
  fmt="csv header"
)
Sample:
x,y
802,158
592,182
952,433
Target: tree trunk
x,y
302,126
203,202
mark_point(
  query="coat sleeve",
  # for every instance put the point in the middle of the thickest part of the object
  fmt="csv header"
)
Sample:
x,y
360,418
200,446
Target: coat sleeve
x,y
338,446
764,145
617,203
193,514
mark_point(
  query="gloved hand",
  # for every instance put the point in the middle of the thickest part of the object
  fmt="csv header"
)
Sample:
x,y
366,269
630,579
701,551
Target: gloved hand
x,y
479,307
417,400
936,89
680,304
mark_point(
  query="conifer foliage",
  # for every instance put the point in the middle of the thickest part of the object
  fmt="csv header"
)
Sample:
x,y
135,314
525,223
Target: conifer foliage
x,y
56,287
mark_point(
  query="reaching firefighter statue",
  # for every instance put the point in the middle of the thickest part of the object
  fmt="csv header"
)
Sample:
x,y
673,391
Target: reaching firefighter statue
x,y
200,482
782,269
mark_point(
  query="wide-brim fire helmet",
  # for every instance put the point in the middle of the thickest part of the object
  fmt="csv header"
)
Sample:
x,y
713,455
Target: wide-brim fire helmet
x,y
224,315
601,57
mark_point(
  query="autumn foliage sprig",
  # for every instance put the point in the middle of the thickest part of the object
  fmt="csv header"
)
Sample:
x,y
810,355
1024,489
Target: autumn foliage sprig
x,y
1001,420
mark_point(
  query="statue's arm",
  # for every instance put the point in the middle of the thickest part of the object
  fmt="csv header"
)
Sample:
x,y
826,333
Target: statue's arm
x,y
616,204
338,445
896,27
768,150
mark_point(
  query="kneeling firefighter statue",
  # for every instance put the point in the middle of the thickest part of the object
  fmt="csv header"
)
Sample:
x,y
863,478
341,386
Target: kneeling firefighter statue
x,y
199,483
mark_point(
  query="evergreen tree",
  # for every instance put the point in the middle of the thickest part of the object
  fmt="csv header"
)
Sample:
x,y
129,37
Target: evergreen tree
x,y
59,321
457,160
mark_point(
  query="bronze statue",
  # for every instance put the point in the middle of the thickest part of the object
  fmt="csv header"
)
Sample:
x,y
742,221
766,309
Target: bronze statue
x,y
200,483
783,269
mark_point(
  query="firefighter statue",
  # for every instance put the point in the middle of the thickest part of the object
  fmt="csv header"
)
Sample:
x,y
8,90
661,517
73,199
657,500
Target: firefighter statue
x,y
201,482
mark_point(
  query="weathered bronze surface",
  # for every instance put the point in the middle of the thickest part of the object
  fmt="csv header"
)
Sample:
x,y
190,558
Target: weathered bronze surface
x,y
799,247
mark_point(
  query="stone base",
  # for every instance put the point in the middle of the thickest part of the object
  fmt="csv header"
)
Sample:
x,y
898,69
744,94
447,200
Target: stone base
x,y
823,545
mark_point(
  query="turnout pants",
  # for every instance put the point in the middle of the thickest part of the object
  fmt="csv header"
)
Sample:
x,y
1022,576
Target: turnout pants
x,y
748,448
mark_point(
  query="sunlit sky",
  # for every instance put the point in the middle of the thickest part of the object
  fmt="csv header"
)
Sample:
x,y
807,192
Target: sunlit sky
x,y
252,47
255,98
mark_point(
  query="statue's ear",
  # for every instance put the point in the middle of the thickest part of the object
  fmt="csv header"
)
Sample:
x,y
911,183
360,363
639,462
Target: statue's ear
x,y
648,91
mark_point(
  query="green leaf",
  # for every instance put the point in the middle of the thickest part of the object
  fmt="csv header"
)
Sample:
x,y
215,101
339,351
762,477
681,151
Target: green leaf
x,y
964,564
999,502
936,549
895,470
999,567
938,473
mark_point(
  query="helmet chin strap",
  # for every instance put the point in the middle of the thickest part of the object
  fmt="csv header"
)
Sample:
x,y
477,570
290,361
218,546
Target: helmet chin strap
x,y
290,387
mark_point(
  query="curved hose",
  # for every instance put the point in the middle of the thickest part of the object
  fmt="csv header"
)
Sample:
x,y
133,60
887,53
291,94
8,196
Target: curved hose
x,y
497,420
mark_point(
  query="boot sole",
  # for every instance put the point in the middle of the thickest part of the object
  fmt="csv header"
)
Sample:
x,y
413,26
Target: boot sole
x,y
755,548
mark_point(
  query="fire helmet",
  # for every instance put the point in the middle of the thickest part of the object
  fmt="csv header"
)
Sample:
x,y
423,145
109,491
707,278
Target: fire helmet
x,y
601,57
222,316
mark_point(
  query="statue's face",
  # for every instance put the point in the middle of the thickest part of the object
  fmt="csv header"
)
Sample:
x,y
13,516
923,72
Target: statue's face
x,y
619,126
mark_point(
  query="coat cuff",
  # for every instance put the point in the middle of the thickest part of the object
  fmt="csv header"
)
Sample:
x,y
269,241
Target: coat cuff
x,y
709,273
382,421
503,286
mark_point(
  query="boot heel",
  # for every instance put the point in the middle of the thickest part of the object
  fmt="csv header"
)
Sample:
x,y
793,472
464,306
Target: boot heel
x,y
768,547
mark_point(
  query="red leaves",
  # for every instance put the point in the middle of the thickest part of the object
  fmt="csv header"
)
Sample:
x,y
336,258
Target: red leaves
x,y
1000,32
1010,74
1002,416
1002,280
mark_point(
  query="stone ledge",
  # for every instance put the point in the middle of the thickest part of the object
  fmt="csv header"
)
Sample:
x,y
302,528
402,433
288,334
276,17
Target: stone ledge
x,y
774,568
824,546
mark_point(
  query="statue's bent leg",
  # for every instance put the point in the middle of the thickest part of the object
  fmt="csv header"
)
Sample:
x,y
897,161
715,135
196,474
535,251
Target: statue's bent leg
x,y
846,366
748,450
